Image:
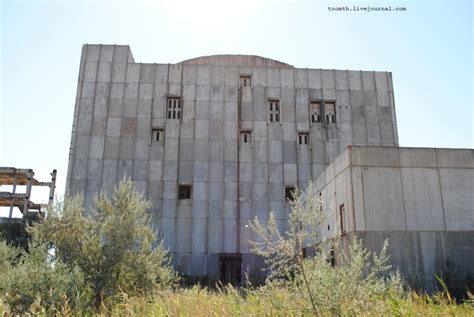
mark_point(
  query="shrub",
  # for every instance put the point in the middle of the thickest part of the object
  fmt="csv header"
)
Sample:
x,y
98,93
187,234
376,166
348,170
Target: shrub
x,y
89,259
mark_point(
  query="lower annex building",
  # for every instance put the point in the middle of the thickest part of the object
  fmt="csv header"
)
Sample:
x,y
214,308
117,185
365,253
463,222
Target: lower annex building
x,y
215,141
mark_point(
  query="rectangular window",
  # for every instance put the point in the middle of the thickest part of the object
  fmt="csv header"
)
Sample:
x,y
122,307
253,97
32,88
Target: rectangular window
x,y
274,110
246,137
157,135
315,111
184,192
303,138
173,108
290,193
341,219
245,81
330,112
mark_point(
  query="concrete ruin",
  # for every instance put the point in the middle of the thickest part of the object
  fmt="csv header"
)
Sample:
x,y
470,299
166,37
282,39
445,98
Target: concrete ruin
x,y
215,141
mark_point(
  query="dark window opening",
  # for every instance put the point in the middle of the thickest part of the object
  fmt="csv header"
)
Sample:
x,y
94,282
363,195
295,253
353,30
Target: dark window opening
x,y
184,192
341,219
173,108
315,112
246,136
157,135
230,269
303,138
329,227
290,193
245,81
274,110
332,257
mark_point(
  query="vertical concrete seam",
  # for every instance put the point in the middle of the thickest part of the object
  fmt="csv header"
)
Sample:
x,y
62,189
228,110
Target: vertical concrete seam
x,y
377,108
156,202
92,118
392,107
365,107
121,113
440,190
403,192
106,117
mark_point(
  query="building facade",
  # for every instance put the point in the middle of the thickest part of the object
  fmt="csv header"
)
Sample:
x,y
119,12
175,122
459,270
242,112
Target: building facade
x,y
215,141
420,199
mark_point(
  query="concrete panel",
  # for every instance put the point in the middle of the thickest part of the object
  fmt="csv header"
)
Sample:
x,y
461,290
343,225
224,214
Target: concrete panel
x,y
381,82
199,235
217,93
383,199
185,171
216,129
129,108
412,157
201,171
246,172
215,235
290,174
202,110
111,150
147,73
358,196
455,158
301,78
118,72
201,129
375,156
124,169
273,77
155,170
457,186
199,208
230,152
169,190
230,171
216,171
217,75
259,77
97,147
287,78
183,235
230,236
368,80
231,75
203,74
189,74
355,82
422,195
342,79
104,72
289,152
314,78
328,79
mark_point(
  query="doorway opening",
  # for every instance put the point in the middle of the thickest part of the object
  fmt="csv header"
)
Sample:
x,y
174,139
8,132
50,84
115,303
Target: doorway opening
x,y
231,268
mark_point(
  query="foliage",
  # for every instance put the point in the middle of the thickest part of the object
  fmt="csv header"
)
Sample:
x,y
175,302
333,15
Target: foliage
x,y
91,258
357,283
15,232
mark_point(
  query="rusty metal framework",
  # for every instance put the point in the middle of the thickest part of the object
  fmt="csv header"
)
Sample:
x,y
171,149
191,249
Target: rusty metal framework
x,y
14,177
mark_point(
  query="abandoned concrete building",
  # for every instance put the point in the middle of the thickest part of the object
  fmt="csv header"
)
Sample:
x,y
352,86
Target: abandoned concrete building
x,y
215,141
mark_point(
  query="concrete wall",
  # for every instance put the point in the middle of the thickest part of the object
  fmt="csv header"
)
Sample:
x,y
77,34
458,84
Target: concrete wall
x,y
419,198
119,102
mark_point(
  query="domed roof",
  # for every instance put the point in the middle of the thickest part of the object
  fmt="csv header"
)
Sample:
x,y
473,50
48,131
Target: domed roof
x,y
236,60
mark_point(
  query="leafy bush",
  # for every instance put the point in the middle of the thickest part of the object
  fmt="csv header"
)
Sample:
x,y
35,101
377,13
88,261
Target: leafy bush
x,y
81,260
355,284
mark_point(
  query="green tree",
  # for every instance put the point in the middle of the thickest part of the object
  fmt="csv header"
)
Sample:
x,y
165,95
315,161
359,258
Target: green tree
x,y
359,279
106,251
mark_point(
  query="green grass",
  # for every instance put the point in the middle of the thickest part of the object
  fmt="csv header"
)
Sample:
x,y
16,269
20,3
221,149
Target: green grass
x,y
275,302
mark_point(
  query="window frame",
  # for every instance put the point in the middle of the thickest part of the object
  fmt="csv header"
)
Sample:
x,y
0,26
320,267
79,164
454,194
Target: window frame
x,y
176,111
243,78
160,132
242,134
311,112
270,111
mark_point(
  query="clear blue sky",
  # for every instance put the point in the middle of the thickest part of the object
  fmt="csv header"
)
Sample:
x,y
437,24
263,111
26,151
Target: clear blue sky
x,y
428,48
